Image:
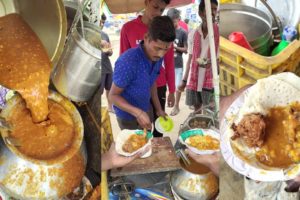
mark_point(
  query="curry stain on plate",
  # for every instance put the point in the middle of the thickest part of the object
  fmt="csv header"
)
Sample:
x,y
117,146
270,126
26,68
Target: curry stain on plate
x,y
294,171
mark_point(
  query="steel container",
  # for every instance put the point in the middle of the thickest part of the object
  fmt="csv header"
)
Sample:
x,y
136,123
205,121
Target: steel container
x,y
287,10
78,72
254,23
23,177
194,186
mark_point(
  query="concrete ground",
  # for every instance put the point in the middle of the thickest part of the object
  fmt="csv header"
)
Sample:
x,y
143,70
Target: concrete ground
x,y
231,183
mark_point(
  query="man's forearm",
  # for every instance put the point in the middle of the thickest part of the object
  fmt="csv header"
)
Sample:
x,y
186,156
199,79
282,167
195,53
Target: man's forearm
x,y
154,97
121,103
215,168
187,69
181,49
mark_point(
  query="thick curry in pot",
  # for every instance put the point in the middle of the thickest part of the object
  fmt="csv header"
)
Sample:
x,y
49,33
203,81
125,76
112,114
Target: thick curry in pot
x,y
24,64
45,140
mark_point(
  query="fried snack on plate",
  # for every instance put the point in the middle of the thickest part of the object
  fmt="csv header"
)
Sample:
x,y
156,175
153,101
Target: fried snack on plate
x,y
205,142
267,127
130,142
201,141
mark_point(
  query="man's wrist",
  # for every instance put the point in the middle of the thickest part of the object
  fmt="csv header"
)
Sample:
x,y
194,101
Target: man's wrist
x,y
184,81
138,113
160,110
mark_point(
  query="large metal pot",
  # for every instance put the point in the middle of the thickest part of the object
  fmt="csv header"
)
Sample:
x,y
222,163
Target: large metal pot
x,y
254,23
47,19
78,72
198,186
23,177
202,121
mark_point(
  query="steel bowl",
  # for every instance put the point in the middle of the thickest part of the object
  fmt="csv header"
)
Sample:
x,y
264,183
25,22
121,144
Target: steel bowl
x,y
28,178
194,186
205,122
47,18
254,23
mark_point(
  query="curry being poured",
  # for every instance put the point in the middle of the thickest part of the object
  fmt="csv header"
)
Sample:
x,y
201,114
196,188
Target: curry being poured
x,y
24,64
43,128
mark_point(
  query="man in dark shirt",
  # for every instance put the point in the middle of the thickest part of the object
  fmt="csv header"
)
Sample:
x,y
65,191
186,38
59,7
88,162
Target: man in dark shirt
x,y
180,47
106,76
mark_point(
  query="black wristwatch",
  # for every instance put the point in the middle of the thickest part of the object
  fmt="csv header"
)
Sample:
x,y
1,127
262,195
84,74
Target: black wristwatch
x,y
184,81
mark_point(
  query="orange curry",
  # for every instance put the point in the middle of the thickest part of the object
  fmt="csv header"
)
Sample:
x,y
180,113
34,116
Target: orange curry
x,y
24,64
205,142
45,140
281,147
134,142
194,167
46,129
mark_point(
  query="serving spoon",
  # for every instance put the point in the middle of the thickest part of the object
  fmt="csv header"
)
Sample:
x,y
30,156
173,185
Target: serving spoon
x,y
145,133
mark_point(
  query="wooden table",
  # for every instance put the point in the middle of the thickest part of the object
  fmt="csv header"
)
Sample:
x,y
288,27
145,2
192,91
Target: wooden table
x,y
163,159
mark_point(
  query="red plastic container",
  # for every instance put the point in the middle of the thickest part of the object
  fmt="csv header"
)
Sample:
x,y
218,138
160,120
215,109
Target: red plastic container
x,y
240,39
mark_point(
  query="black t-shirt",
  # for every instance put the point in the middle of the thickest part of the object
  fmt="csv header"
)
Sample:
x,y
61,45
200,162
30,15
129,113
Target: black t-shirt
x,y
105,63
180,41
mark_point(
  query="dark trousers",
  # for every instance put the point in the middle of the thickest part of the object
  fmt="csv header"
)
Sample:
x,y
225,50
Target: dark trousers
x,y
161,92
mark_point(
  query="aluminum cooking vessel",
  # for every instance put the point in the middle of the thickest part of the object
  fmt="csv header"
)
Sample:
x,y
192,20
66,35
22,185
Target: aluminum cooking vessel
x,y
194,186
23,177
254,23
78,72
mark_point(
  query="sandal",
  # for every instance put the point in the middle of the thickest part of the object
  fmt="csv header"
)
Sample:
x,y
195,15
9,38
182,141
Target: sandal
x,y
175,111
